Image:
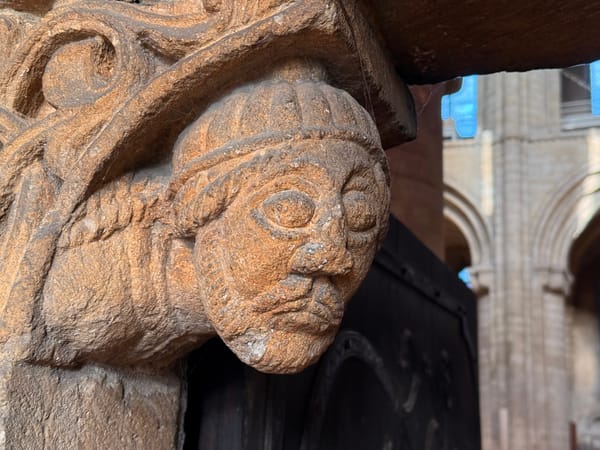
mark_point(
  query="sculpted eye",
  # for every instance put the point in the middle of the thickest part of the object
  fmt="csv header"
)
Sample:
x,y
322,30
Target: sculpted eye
x,y
360,213
290,209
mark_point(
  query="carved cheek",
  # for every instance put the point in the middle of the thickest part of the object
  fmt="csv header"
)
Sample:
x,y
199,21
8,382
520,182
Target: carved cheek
x,y
361,214
263,234
253,258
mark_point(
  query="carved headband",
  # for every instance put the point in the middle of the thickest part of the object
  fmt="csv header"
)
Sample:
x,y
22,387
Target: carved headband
x,y
258,116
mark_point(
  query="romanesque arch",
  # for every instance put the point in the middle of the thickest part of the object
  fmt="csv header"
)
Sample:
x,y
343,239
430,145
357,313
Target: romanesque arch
x,y
564,216
462,211
560,226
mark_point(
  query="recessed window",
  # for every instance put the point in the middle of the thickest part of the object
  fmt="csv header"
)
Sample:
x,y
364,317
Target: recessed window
x,y
459,110
580,96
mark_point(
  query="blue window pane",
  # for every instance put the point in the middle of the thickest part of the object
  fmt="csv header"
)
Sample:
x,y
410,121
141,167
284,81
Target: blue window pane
x,y
462,107
445,107
595,86
465,277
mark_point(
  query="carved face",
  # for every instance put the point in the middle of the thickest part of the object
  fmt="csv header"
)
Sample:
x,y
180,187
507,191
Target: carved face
x,y
290,251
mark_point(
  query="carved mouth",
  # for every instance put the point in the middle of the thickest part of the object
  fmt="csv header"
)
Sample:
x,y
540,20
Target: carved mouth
x,y
317,312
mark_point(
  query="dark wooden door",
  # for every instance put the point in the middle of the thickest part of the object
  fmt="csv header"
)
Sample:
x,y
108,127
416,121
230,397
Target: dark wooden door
x,y
402,373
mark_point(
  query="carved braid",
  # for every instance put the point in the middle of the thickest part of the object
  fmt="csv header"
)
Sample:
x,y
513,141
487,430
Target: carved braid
x,y
140,200
194,211
116,206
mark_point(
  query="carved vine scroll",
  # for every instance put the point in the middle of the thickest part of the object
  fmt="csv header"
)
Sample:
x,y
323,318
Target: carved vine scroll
x,y
169,171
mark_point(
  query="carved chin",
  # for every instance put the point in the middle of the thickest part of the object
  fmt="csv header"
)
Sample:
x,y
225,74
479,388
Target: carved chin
x,y
287,343
274,343
270,333
279,351
279,340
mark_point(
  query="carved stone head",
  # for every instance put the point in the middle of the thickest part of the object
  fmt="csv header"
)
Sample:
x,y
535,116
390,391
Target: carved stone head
x,y
283,186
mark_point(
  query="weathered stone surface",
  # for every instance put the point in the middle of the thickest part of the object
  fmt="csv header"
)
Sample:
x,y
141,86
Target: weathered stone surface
x,y
433,40
95,407
169,173
266,225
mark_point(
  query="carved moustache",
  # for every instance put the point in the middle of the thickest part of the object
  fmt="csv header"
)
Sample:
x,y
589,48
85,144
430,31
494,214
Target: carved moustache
x,y
314,303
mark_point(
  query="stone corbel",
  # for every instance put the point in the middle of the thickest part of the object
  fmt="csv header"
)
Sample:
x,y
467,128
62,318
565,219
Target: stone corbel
x,y
170,172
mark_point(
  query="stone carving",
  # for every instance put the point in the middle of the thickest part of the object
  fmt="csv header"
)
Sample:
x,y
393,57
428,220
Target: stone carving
x,y
266,225
164,178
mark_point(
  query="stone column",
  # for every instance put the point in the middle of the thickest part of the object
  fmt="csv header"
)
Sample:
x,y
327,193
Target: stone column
x,y
91,407
555,288
516,386
482,284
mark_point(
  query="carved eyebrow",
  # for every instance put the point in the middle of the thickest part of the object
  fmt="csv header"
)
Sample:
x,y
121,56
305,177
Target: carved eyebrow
x,y
295,182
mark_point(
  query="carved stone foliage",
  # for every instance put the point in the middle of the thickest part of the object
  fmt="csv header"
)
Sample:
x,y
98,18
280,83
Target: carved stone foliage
x,y
171,171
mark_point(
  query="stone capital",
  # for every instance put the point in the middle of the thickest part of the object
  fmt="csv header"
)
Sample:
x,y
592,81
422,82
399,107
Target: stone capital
x,y
554,280
130,132
171,172
482,279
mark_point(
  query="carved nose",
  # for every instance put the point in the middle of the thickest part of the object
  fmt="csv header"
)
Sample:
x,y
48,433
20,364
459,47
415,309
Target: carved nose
x,y
326,253
322,259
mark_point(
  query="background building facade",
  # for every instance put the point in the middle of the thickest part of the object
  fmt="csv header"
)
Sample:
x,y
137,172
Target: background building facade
x,y
521,203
